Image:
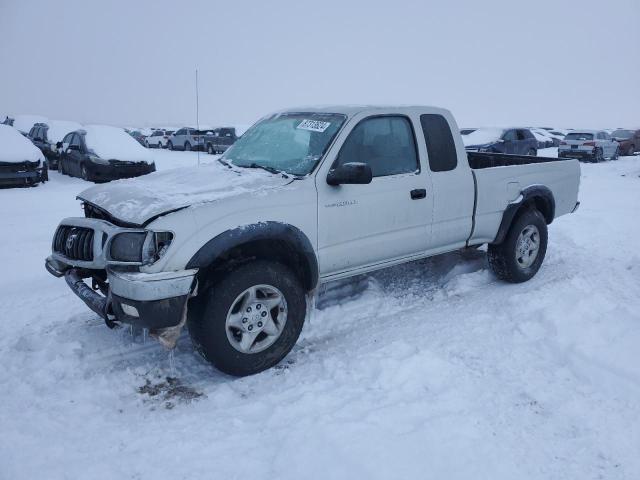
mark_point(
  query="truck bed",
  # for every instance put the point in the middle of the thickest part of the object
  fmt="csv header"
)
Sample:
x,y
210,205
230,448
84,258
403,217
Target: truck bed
x,y
500,178
478,160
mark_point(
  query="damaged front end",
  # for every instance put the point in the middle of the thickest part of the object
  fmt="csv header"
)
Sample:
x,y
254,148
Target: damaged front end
x,y
101,264
23,173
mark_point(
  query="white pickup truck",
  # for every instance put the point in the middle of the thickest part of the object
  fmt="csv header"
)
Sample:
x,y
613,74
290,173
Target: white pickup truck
x,y
235,249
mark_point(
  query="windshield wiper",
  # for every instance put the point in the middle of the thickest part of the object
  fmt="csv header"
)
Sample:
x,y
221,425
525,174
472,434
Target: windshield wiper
x,y
265,167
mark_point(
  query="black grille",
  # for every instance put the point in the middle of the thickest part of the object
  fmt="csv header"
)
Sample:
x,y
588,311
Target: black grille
x,y
75,243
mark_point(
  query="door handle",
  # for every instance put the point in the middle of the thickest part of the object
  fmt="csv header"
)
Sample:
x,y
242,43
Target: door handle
x,y
418,193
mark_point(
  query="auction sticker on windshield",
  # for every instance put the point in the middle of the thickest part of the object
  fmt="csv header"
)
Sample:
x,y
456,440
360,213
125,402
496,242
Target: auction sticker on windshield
x,y
314,125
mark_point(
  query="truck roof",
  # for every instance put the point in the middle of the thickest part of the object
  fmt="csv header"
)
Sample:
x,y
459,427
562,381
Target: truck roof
x,y
351,110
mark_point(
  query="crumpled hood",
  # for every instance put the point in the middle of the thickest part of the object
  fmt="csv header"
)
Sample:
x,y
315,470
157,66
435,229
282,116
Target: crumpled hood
x,y
138,200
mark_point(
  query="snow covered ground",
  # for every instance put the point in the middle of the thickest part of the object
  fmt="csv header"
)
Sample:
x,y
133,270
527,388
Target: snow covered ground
x,y
430,370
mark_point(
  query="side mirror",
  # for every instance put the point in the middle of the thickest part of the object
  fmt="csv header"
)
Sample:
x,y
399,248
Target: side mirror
x,y
353,173
59,145
500,140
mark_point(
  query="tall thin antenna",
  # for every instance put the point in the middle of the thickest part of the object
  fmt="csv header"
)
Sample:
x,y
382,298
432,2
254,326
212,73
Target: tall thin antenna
x,y
197,115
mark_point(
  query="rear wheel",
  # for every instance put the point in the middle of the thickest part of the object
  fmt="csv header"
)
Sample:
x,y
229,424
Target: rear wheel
x,y
598,155
84,173
187,147
210,149
531,152
170,145
615,155
632,150
519,257
250,319
61,167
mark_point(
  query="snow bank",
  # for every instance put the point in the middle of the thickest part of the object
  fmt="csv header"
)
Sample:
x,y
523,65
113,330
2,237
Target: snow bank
x,y
114,143
59,128
14,147
24,123
482,136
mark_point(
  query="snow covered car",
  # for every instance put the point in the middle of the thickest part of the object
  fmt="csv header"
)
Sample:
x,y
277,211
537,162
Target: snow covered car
x,y
48,138
236,248
518,141
21,163
24,123
100,153
593,145
188,139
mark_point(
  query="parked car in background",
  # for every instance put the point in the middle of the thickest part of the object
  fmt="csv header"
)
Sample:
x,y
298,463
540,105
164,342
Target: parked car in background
x,y
8,121
139,137
24,123
159,138
100,153
467,131
187,138
48,138
628,141
591,145
517,141
543,137
219,140
21,163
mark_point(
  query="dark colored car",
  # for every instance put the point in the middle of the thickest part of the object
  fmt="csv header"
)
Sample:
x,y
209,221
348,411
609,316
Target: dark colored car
x,y
8,121
628,140
101,153
48,137
516,141
218,140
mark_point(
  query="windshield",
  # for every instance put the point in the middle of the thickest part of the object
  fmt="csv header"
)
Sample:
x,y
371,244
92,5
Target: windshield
x,y
579,136
290,142
622,134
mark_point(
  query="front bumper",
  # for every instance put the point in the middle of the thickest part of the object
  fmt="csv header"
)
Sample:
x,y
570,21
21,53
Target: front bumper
x,y
147,300
21,174
115,171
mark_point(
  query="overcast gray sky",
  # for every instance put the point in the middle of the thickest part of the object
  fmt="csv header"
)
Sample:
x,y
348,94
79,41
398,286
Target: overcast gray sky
x,y
572,63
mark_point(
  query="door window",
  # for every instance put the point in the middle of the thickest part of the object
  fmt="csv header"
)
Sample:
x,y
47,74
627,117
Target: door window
x,y
520,134
386,144
509,136
76,141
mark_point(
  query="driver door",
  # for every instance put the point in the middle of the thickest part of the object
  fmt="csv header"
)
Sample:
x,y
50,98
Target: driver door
x,y
390,218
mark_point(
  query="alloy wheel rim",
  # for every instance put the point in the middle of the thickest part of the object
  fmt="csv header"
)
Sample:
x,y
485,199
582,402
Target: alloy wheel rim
x,y
527,246
256,319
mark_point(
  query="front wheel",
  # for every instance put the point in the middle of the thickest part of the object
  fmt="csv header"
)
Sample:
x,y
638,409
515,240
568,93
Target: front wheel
x,y
598,155
84,173
519,257
187,147
250,319
210,149
532,152
170,145
616,154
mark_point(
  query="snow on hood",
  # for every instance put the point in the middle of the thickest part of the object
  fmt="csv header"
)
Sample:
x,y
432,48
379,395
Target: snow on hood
x,y
24,123
15,148
140,199
482,136
59,128
113,143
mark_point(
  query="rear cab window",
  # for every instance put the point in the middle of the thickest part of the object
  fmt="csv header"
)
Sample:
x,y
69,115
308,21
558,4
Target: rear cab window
x,y
441,148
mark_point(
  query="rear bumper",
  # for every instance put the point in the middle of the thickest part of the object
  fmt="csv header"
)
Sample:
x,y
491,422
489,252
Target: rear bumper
x,y
579,154
153,301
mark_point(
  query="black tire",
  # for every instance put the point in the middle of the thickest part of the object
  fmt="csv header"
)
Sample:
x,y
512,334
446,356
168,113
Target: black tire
x,y
598,155
84,173
502,257
632,150
187,147
170,145
61,167
532,152
210,149
616,154
207,319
